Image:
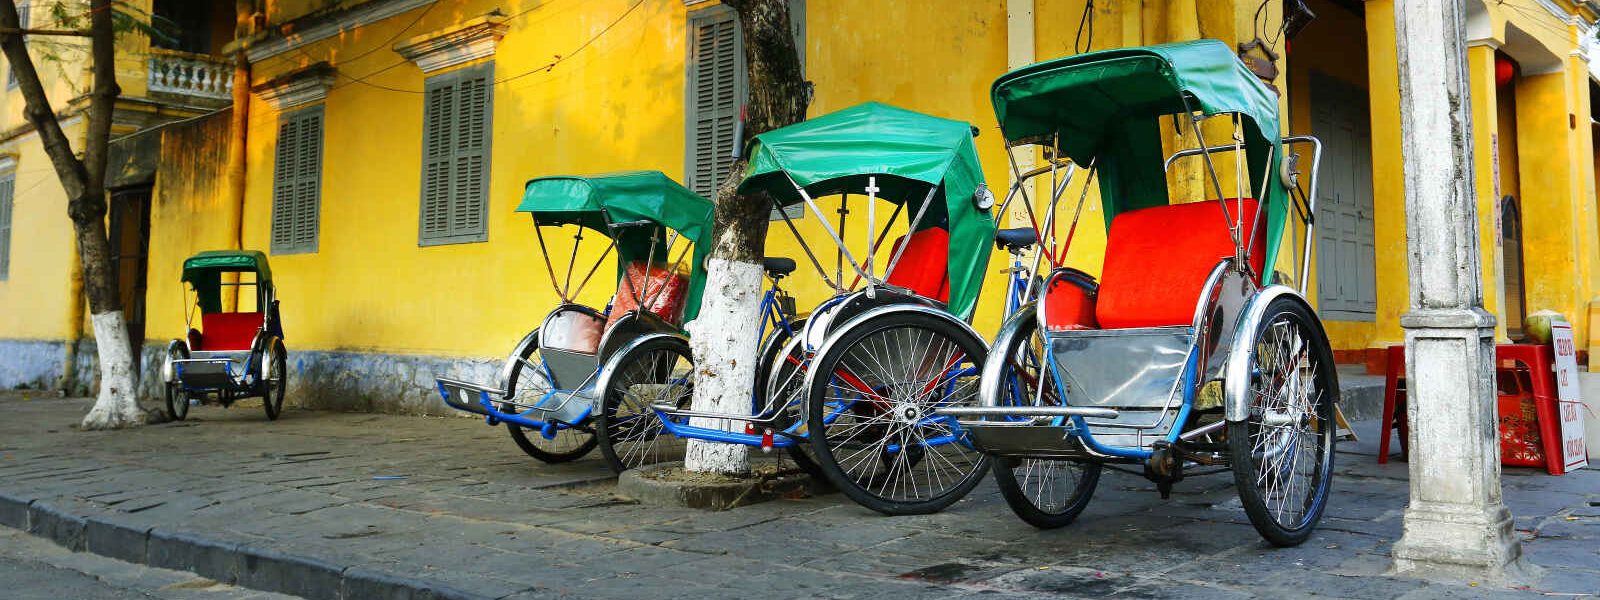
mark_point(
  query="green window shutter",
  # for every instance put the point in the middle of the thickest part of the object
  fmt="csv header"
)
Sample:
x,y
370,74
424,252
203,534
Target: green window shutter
x,y
8,187
297,182
457,127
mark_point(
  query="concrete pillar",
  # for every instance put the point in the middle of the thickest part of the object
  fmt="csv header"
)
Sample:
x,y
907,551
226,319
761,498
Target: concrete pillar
x,y
1455,523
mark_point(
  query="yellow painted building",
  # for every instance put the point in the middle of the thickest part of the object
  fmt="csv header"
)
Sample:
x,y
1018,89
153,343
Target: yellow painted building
x,y
387,281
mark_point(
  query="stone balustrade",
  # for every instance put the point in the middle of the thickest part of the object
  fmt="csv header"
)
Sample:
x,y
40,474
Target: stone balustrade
x,y
190,75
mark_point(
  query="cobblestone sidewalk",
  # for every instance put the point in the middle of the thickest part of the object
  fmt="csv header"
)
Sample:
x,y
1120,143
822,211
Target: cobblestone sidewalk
x,y
331,505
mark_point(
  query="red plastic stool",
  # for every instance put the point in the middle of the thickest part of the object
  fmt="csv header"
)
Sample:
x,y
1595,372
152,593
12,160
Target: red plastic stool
x,y
1535,360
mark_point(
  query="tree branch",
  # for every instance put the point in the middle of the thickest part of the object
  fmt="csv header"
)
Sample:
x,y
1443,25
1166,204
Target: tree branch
x,y
74,180
62,32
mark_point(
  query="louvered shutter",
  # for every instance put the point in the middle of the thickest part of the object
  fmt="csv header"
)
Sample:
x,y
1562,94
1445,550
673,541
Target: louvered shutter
x,y
297,182
716,91
717,88
455,164
8,187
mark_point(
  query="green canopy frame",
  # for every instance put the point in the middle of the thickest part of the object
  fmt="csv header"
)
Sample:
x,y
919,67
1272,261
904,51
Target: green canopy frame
x,y
204,271
1104,108
607,203
925,164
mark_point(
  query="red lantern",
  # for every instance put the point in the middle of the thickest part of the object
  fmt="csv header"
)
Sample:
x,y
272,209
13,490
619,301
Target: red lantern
x,y
1504,70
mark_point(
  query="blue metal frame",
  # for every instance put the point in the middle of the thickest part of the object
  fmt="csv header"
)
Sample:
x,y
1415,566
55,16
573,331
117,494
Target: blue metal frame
x,y
772,315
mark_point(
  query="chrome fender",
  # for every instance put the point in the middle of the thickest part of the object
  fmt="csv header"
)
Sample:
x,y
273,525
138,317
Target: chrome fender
x,y
1236,375
610,366
990,387
511,361
168,372
861,319
268,349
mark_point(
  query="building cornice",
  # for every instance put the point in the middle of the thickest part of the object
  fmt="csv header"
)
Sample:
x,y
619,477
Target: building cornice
x,y
455,45
298,88
320,26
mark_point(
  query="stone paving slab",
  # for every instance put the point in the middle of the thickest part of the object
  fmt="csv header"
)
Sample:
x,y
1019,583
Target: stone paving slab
x,y
336,505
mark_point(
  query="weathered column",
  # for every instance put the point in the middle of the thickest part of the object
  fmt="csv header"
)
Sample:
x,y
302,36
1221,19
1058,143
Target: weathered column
x,y
1456,522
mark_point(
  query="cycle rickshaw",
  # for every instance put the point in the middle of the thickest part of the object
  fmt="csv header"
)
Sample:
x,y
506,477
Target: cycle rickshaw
x,y
861,379
234,353
551,385
1189,351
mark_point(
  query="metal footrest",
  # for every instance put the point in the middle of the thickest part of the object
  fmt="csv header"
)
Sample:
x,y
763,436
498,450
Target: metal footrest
x,y
468,396
1023,439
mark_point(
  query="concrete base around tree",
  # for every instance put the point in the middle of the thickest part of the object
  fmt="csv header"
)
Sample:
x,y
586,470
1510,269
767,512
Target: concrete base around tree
x,y
667,484
346,505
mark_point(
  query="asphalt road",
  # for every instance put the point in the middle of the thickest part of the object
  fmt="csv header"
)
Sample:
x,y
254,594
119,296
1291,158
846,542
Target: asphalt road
x,y
34,569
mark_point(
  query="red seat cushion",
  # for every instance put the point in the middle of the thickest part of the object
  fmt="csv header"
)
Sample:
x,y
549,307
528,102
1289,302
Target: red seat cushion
x,y
229,331
1157,259
925,266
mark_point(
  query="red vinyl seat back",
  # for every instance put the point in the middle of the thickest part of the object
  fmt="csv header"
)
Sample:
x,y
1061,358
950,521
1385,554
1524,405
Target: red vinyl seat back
x,y
1157,261
229,331
1069,302
666,291
925,266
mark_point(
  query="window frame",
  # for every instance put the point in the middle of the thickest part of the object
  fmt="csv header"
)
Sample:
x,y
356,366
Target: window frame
x,y
292,176
453,79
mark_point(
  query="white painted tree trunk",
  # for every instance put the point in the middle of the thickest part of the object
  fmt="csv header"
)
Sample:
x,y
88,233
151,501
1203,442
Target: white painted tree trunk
x,y
724,340
116,406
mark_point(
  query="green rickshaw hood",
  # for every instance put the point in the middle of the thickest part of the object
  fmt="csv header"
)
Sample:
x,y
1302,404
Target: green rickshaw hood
x,y
1107,105
909,153
204,272
595,201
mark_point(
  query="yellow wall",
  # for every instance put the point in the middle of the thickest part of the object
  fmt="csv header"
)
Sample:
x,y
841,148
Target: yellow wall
x,y
616,105
34,299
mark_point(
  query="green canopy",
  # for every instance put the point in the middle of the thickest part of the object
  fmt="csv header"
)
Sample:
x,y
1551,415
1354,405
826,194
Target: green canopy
x,y
204,272
1108,106
597,201
909,153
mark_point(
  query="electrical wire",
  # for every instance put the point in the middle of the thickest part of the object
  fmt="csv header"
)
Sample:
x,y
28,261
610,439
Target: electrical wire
x,y
1087,18
560,58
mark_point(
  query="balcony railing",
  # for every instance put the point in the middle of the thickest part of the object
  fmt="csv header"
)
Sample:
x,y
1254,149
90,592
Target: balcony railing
x,y
190,74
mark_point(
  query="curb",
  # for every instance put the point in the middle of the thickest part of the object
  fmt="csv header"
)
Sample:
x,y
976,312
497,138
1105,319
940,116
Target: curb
x,y
238,564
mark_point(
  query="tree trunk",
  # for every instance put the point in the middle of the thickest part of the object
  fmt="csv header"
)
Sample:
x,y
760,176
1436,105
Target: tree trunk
x,y
84,183
724,338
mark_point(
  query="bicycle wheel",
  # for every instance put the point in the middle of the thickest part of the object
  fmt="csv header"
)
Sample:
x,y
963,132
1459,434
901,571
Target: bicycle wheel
x,y
1045,493
631,434
1282,453
780,381
871,419
276,381
528,384
177,399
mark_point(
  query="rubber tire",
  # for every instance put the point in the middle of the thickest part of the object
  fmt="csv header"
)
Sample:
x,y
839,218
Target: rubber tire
x,y
975,349
771,348
520,435
177,399
1005,477
272,395
613,398
1239,433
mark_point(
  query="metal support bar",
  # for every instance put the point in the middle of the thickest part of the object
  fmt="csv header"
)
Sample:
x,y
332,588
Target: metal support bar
x,y
1027,411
